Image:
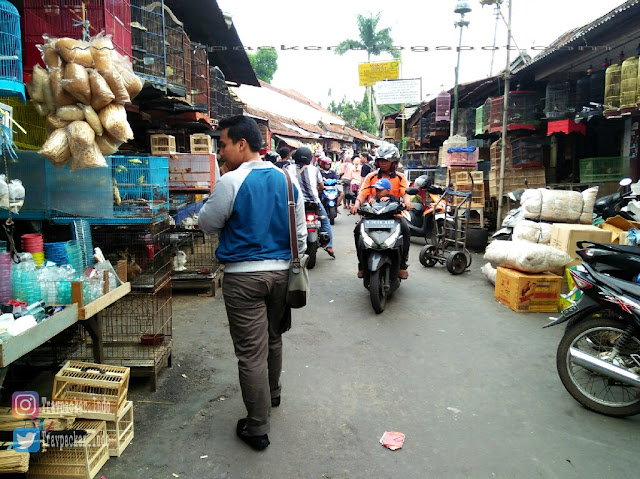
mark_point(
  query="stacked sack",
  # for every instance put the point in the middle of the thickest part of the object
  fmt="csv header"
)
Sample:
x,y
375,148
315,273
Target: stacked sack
x,y
530,250
82,93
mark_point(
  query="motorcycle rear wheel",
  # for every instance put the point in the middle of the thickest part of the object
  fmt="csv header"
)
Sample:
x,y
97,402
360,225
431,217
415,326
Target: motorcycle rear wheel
x,y
593,390
312,251
377,290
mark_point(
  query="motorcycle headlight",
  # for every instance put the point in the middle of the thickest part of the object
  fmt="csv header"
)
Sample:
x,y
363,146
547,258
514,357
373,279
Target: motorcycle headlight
x,y
368,242
392,239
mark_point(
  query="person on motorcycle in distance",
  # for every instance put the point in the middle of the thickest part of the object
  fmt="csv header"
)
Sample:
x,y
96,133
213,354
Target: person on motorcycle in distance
x,y
387,157
328,174
310,182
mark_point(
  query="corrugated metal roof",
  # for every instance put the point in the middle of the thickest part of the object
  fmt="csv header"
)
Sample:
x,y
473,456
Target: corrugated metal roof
x,y
576,33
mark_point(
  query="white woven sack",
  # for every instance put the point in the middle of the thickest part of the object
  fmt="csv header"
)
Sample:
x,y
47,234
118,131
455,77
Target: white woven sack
x,y
525,256
532,231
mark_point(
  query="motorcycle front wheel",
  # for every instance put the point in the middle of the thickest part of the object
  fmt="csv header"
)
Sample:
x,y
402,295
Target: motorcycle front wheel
x,y
377,289
597,337
312,250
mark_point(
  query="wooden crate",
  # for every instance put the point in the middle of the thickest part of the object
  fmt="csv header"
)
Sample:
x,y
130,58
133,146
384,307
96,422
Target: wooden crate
x,y
82,460
99,389
201,143
120,432
514,179
462,177
477,197
495,154
162,145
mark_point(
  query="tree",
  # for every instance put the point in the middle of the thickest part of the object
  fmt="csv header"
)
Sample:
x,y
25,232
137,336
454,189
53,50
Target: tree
x,y
355,114
265,63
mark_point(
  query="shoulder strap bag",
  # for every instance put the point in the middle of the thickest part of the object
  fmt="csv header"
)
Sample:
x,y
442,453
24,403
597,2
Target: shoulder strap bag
x,y
299,287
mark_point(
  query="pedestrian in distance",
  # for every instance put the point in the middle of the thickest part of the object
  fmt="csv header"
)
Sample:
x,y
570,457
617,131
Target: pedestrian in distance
x,y
248,207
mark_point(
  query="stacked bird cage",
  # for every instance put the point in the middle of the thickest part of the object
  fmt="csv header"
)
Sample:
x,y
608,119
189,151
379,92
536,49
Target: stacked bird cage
x,y
199,77
558,101
598,79
62,18
219,90
177,50
195,259
629,83
583,92
612,82
148,40
443,106
479,129
137,333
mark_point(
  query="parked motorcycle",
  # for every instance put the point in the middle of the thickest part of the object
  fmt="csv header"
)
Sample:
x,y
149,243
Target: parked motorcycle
x,y
598,358
315,238
329,199
421,218
511,220
381,250
611,205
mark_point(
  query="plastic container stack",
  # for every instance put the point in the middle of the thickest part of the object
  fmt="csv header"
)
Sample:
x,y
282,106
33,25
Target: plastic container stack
x,y
25,281
5,277
56,253
34,244
74,255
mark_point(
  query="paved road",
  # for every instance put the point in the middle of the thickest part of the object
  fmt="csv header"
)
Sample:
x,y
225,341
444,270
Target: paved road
x,y
472,384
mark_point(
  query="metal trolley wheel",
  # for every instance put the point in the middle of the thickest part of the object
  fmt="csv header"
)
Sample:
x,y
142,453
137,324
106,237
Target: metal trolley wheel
x,y
427,256
457,262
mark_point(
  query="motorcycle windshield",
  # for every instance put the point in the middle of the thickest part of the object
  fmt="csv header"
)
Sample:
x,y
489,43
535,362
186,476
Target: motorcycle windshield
x,y
381,208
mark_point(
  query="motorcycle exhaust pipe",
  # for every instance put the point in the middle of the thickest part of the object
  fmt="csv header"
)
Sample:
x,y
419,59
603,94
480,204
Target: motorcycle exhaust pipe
x,y
602,367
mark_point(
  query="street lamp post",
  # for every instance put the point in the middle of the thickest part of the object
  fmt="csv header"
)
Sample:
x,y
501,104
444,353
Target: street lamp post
x,y
462,8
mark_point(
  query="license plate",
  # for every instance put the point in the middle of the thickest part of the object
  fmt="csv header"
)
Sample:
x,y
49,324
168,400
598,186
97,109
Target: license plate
x,y
379,223
570,310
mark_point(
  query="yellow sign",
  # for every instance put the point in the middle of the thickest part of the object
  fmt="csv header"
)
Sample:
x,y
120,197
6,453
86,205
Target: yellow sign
x,y
370,73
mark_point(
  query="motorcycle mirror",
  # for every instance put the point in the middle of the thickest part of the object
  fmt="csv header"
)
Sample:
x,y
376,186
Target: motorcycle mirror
x,y
412,191
625,182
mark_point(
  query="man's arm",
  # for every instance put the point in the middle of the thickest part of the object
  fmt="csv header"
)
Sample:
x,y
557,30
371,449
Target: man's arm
x,y
219,206
406,199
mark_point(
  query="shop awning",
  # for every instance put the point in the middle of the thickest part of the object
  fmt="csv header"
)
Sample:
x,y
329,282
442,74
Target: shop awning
x,y
292,142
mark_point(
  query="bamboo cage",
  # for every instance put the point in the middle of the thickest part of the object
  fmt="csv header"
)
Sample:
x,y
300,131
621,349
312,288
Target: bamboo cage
x,y
613,78
629,83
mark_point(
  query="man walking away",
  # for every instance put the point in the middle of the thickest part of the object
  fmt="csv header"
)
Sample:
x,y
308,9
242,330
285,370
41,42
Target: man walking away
x,y
249,208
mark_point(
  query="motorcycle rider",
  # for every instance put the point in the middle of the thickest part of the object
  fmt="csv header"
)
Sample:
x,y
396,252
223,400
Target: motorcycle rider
x,y
310,182
387,157
328,174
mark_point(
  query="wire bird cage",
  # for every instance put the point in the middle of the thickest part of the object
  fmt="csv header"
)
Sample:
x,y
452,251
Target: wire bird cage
x,y
486,115
26,115
11,82
466,122
177,49
583,92
198,260
61,18
479,130
597,86
137,332
199,77
443,106
146,248
148,40
220,104
629,83
521,114
613,78
558,101
437,128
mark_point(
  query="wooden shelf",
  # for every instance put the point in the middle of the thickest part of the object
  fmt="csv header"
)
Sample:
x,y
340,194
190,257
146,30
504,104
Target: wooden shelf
x,y
99,304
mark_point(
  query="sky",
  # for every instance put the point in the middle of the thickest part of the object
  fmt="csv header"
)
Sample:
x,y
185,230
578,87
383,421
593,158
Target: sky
x,y
322,76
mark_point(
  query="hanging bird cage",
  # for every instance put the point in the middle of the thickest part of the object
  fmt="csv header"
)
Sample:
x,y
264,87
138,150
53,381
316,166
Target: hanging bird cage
x,y
443,107
200,89
583,92
175,50
521,114
612,88
466,122
597,86
558,101
486,115
495,114
479,117
629,83
11,83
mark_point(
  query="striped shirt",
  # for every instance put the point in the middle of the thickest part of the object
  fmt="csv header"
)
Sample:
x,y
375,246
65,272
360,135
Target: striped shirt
x,y
307,181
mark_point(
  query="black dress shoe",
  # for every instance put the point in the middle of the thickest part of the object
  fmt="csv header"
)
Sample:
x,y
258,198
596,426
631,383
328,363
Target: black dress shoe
x,y
275,402
255,442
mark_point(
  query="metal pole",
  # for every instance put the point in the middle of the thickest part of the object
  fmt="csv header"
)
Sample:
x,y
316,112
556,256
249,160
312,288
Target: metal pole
x,y
454,115
420,110
505,115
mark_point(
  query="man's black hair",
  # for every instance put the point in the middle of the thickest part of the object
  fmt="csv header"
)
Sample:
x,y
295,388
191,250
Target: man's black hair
x,y
284,152
240,127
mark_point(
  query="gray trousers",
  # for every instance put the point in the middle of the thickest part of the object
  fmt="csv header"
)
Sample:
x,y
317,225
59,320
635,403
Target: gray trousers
x,y
256,304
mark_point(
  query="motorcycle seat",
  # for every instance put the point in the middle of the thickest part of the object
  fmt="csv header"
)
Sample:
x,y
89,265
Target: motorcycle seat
x,y
632,289
418,208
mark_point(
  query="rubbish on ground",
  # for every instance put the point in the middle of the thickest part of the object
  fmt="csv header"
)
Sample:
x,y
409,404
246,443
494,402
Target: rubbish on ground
x,y
392,440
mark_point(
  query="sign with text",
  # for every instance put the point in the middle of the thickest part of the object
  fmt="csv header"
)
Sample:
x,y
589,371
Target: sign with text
x,y
398,91
370,73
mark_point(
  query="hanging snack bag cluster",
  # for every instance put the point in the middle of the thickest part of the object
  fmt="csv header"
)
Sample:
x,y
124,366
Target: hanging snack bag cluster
x,y
82,93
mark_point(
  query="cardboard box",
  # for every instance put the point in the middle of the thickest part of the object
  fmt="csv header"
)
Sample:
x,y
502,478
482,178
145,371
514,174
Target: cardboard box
x,y
526,292
618,225
564,236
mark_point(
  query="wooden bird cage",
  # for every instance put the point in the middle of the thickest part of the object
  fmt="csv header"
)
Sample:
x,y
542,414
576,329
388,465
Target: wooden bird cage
x,y
443,107
629,83
612,81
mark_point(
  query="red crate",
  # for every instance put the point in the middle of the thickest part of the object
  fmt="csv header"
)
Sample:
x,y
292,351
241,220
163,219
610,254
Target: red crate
x,y
58,17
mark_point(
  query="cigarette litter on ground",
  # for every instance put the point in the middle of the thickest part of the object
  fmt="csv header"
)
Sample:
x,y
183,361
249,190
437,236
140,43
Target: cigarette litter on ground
x,y
392,440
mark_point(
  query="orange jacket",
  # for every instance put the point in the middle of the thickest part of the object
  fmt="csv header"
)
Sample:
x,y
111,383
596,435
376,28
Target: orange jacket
x,y
398,185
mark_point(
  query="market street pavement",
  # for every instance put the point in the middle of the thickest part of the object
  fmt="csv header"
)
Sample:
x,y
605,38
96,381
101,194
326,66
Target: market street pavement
x,y
472,384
